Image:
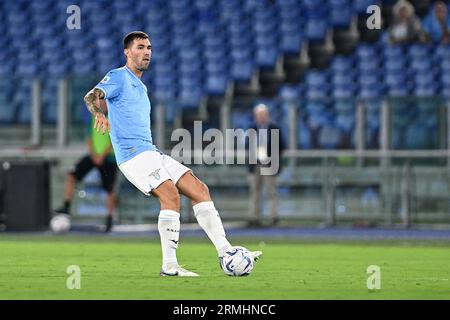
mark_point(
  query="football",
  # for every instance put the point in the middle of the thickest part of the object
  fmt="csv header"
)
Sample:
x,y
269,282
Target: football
x,y
60,223
237,262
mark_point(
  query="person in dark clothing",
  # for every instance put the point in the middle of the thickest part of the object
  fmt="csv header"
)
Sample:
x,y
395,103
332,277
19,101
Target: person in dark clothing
x,y
263,152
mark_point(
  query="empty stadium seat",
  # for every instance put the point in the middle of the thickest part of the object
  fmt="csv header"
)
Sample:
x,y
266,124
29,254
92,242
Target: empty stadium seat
x,y
329,137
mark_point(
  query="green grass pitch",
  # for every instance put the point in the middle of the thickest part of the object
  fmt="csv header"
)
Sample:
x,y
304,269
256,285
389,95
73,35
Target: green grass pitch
x,y
34,267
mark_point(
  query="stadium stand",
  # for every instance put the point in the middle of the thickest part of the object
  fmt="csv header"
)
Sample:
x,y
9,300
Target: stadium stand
x,y
202,48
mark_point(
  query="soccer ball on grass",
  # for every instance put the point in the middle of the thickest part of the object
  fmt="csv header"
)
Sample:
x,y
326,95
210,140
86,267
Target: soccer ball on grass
x,y
238,261
60,223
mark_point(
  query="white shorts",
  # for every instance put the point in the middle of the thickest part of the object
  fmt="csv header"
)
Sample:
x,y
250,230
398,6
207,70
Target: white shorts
x,y
149,169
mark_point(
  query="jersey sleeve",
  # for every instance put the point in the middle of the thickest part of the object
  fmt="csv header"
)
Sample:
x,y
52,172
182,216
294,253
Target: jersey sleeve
x,y
111,84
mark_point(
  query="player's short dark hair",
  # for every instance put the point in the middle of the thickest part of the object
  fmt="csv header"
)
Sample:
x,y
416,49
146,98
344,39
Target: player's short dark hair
x,y
129,38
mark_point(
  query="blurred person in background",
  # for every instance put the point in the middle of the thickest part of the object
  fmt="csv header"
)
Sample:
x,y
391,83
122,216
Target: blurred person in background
x,y
257,181
101,156
406,27
437,24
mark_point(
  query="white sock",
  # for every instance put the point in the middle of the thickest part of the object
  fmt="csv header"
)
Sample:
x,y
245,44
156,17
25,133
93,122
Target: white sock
x,y
169,232
208,218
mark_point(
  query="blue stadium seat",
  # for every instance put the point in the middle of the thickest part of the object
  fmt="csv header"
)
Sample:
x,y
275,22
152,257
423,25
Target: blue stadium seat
x,y
164,93
291,43
190,97
342,64
291,11
445,65
240,55
304,136
316,30
156,15
398,90
441,52
57,69
421,65
425,90
316,78
360,6
268,41
317,93
369,79
339,3
342,79
266,58
265,27
316,121
393,52
204,4
28,70
179,5
215,40
445,92
340,16
188,55
418,51
83,68
216,68
369,92
316,9
316,106
368,65
394,65
290,93
345,122
425,78
373,106
366,52
241,71
288,26
445,79
343,91
216,85
395,79
241,42
329,137
345,106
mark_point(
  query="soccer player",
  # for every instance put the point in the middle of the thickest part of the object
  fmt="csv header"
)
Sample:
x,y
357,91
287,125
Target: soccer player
x,y
147,168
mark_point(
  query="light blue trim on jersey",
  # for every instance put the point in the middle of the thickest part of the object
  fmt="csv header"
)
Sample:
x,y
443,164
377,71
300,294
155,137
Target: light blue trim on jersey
x,y
128,113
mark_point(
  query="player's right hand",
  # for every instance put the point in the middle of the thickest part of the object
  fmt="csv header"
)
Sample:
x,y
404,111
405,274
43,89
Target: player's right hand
x,y
101,123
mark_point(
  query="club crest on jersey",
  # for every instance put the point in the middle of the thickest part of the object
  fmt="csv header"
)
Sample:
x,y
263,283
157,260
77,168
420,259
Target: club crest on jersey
x,y
105,79
155,174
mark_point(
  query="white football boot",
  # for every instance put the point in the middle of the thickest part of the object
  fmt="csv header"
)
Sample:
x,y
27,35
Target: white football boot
x,y
256,255
177,271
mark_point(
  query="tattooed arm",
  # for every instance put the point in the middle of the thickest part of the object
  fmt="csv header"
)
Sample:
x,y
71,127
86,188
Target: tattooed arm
x,y
92,100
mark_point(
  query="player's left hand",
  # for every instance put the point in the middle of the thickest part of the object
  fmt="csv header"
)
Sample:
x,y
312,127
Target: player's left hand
x,y
101,123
